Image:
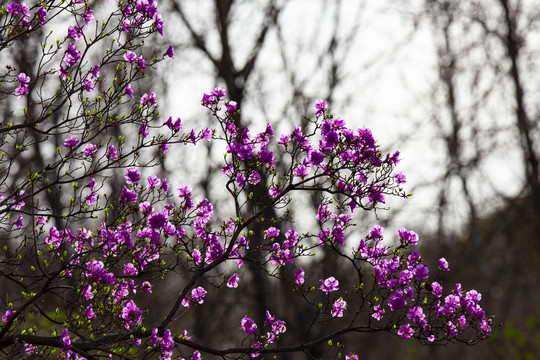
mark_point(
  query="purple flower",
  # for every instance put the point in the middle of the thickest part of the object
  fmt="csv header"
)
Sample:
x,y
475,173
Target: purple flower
x,y
17,200
153,182
407,237
8,315
72,55
284,139
271,233
87,292
351,357
148,100
329,285
157,220
96,272
112,153
126,24
170,52
315,157
405,276
375,196
91,199
379,311
231,106
130,57
198,294
376,232
400,178
338,307
132,175
65,339
128,195
158,23
208,100
88,16
146,287
436,289
319,106
75,32
71,142
443,264
163,146
89,312
254,178
406,331
95,71
23,89
19,222
302,171
396,301
196,255
421,272
249,326
177,125
23,79
18,9
131,314
141,63
129,91
90,150
233,281
416,314
130,270
88,85
218,92
241,180
41,14
299,276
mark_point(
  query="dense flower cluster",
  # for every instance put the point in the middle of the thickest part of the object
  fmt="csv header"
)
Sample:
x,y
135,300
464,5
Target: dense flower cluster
x,y
102,254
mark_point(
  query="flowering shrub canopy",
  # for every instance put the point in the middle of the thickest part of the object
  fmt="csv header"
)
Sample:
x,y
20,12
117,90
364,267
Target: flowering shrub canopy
x,y
73,236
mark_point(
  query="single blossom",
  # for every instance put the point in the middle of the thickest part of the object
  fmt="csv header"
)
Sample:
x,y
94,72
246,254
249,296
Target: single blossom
x,y
130,57
338,307
406,331
130,270
90,150
89,312
153,182
112,153
128,195
8,315
24,80
148,100
158,23
41,14
170,52
443,264
233,281
249,326
75,32
320,106
329,285
71,142
129,91
19,222
95,71
132,175
231,107
88,85
88,16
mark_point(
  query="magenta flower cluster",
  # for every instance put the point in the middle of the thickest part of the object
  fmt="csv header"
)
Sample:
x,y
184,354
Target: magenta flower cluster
x,y
144,231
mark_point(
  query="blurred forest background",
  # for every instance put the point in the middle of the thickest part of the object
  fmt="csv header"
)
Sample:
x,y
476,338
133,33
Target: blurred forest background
x,y
453,85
